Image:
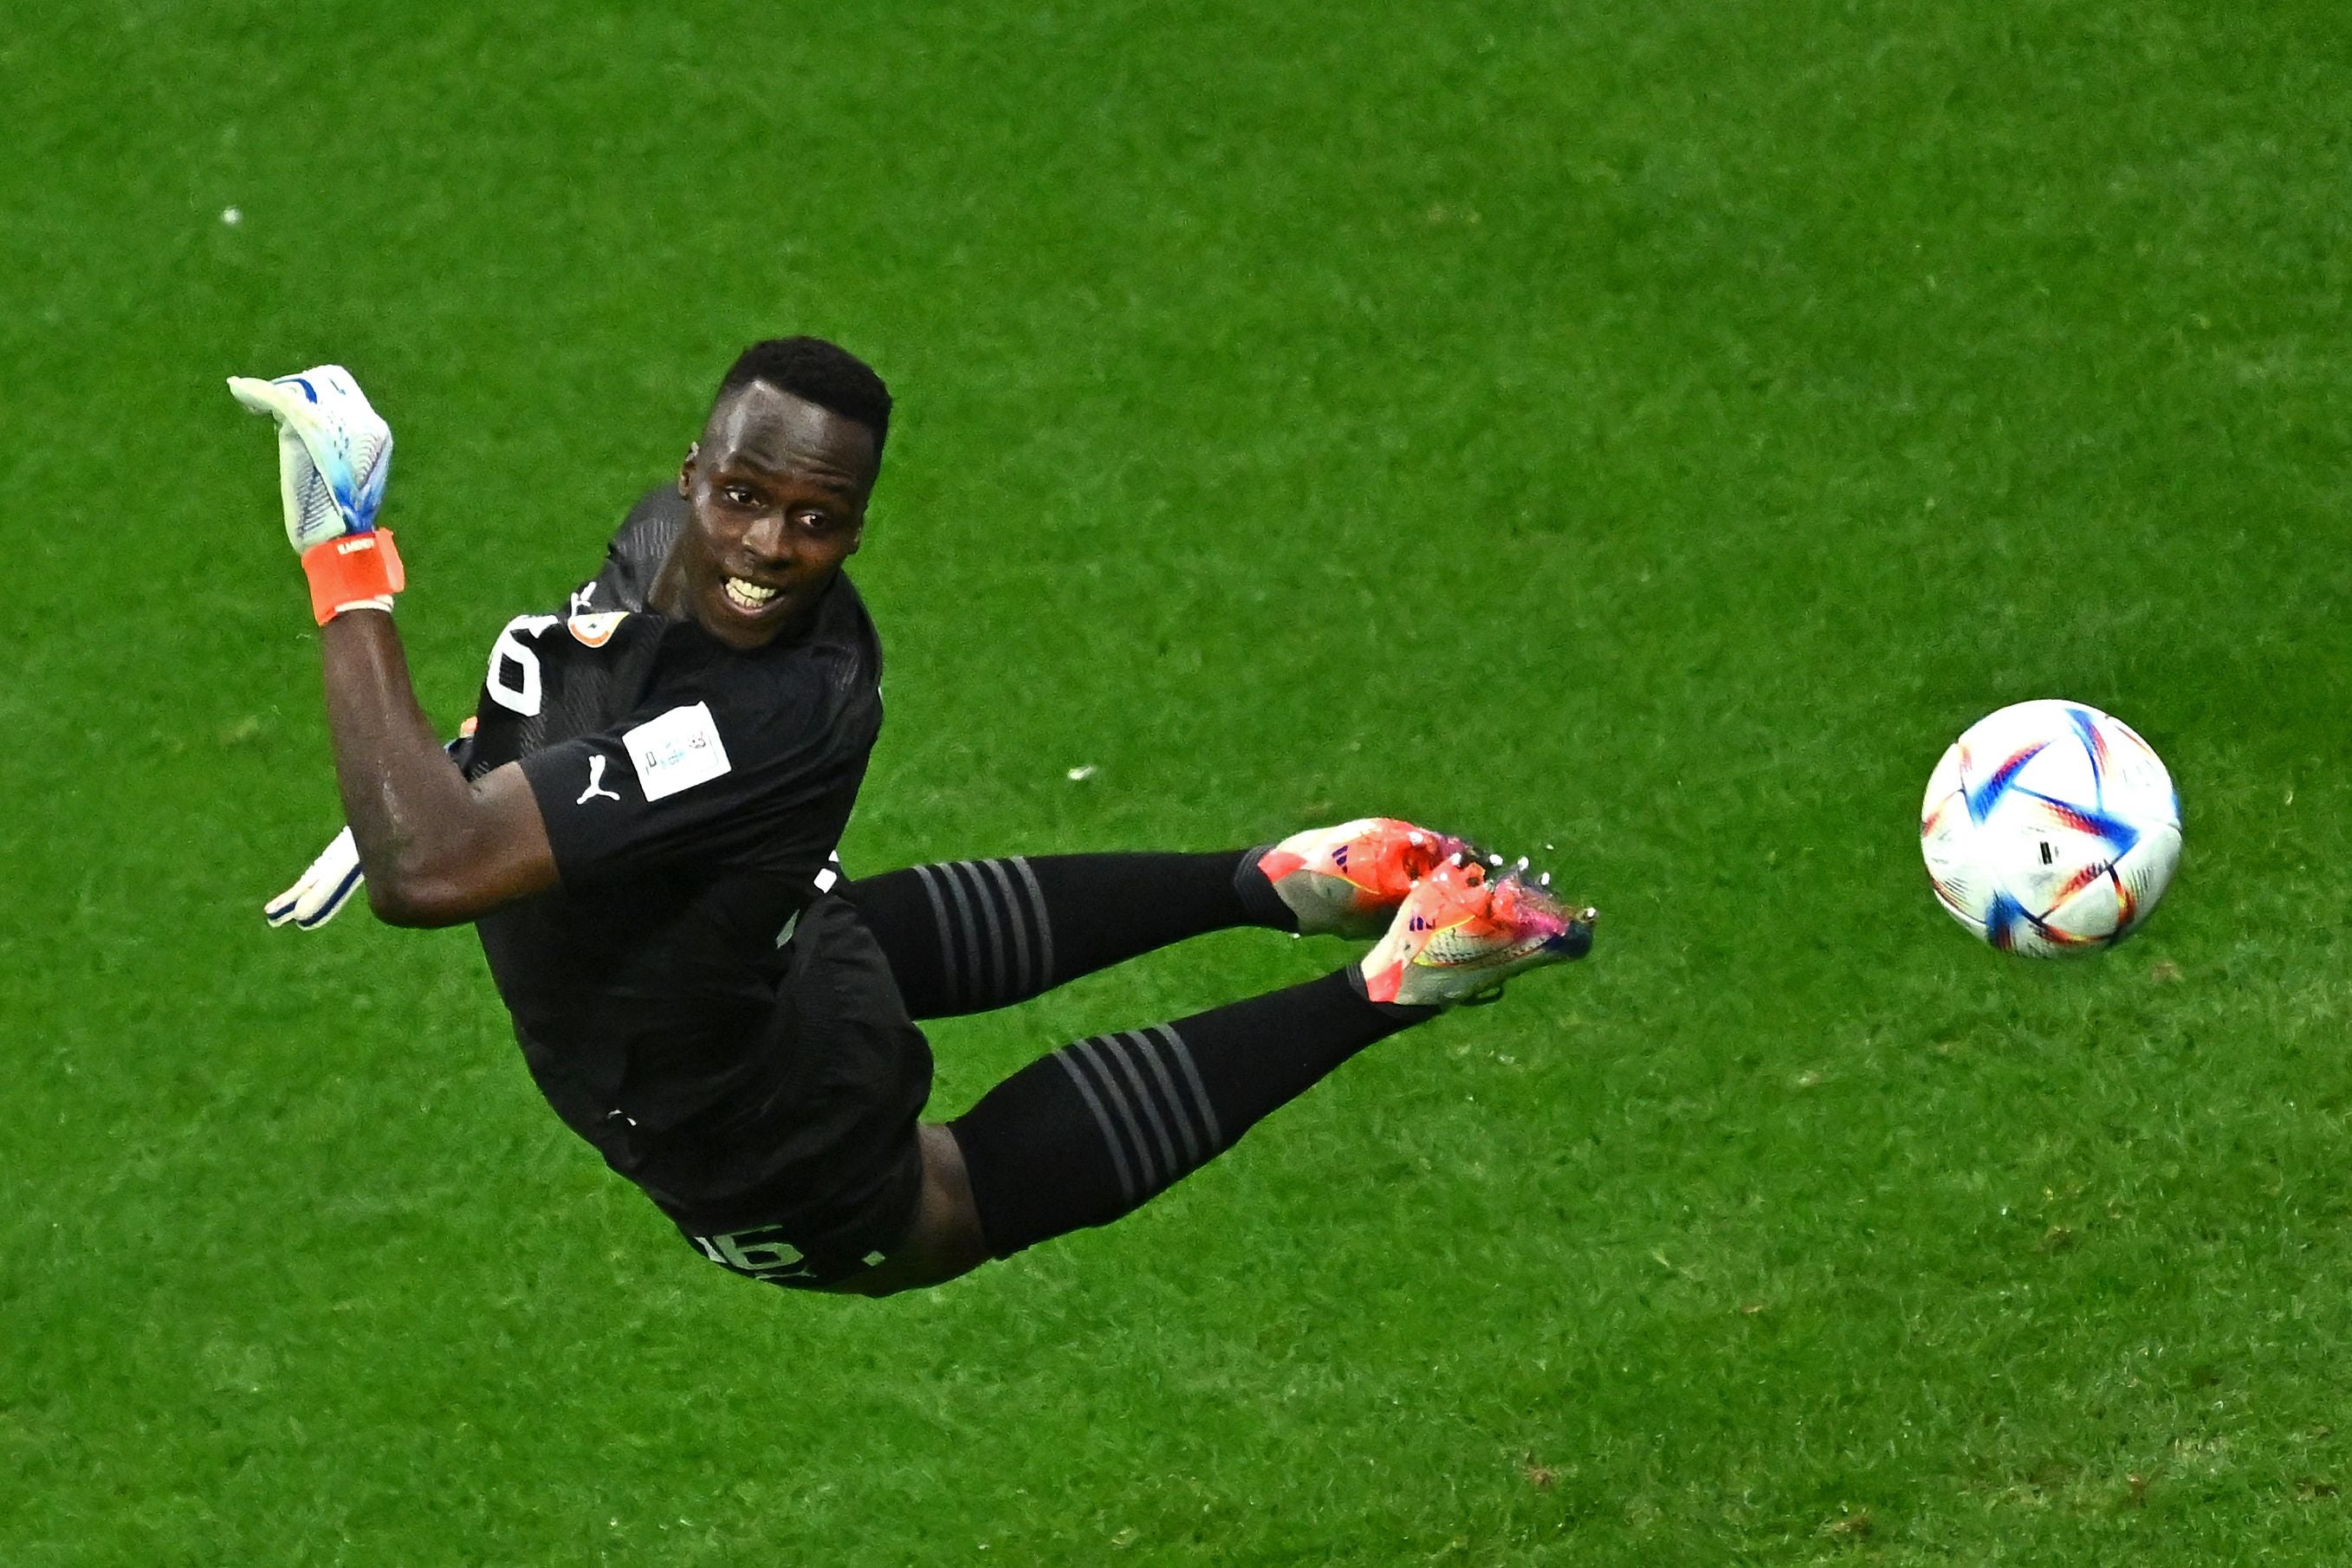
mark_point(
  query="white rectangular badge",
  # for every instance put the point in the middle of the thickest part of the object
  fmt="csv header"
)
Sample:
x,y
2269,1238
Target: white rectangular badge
x,y
677,751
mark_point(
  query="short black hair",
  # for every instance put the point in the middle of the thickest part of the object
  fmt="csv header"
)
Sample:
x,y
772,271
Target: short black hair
x,y
825,374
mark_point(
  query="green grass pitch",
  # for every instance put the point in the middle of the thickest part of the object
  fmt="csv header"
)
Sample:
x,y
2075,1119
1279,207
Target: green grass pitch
x,y
1648,433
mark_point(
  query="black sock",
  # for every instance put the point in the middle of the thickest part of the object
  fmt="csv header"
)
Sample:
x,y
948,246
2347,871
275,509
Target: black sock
x,y
973,935
1098,1128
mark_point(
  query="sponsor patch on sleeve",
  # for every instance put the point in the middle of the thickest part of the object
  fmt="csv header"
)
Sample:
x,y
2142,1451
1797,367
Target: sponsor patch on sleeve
x,y
677,751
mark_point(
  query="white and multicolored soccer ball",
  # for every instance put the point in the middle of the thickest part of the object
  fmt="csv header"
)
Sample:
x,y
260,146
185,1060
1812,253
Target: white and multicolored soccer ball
x,y
2050,827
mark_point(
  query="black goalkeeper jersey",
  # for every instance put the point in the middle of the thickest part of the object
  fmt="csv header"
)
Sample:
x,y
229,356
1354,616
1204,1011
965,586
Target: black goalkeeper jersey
x,y
693,795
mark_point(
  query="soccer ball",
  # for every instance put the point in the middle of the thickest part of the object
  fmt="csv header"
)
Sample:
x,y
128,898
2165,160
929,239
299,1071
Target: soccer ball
x,y
2050,827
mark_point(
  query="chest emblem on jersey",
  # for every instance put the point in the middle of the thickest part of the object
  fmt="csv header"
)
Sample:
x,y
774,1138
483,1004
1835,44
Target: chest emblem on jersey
x,y
677,751
596,630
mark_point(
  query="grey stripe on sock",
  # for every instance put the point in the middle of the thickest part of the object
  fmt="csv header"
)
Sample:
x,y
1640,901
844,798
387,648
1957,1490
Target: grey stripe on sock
x,y
1183,1055
995,935
1027,981
1117,1048
1115,1096
948,966
1154,1052
1044,926
969,937
1102,1120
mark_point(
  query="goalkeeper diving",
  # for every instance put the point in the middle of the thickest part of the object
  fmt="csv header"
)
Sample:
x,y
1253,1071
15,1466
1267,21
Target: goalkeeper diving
x,y
640,822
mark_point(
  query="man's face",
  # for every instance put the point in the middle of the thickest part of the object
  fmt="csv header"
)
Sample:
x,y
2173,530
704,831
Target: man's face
x,y
777,487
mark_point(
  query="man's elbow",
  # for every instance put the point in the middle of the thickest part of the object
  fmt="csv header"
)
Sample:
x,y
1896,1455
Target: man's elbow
x,y
405,899
465,863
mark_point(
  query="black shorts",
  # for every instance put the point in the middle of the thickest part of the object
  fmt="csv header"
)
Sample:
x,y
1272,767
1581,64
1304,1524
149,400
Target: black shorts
x,y
817,1176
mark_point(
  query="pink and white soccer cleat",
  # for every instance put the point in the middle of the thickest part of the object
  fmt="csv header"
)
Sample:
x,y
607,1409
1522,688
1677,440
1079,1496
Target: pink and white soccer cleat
x,y
1459,935
1347,881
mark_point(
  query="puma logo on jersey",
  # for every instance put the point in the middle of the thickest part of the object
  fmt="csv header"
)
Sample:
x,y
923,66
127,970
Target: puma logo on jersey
x,y
595,790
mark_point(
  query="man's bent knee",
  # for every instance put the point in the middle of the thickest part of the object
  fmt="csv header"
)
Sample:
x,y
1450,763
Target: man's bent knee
x,y
944,1240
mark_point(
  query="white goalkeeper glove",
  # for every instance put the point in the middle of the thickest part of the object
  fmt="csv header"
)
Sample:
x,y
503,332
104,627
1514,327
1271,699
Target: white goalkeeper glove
x,y
323,890
334,453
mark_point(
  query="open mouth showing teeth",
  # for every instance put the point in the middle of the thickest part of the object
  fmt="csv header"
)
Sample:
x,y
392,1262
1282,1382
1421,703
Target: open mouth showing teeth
x,y
748,596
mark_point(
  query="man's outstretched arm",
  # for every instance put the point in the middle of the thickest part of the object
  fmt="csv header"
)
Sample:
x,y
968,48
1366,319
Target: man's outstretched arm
x,y
437,850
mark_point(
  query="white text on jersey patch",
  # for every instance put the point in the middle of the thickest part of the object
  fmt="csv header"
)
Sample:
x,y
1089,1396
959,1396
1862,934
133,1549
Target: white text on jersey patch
x,y
677,751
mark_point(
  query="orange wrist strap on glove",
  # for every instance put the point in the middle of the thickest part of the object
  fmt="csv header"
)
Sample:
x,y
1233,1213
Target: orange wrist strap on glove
x,y
352,571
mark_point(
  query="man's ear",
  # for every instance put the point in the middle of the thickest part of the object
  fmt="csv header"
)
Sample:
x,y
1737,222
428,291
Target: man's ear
x,y
686,470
